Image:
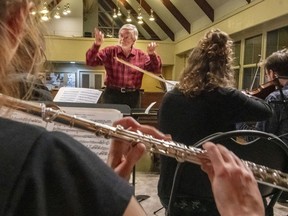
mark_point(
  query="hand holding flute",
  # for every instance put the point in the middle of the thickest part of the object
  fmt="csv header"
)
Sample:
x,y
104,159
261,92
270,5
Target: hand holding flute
x,y
234,186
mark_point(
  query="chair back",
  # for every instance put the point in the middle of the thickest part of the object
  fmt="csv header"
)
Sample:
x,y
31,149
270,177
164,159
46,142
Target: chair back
x,y
255,146
250,145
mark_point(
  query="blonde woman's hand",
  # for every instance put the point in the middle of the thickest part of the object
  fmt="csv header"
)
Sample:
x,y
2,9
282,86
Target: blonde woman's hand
x,y
122,155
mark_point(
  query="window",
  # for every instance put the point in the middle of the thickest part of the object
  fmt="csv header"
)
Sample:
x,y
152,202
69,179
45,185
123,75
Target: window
x,y
277,40
236,50
91,79
252,49
252,56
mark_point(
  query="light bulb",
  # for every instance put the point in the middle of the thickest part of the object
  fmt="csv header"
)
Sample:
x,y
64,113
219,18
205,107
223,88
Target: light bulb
x,y
119,12
114,14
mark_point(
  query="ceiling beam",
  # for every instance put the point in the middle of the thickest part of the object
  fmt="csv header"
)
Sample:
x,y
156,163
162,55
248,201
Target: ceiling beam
x,y
53,4
109,6
206,7
104,21
158,20
119,21
178,15
152,34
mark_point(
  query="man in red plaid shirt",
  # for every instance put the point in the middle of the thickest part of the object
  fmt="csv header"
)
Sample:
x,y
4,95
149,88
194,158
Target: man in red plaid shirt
x,y
123,82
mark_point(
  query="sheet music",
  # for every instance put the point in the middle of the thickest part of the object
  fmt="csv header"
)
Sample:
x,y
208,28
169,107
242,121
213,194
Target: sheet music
x,y
77,95
170,84
98,145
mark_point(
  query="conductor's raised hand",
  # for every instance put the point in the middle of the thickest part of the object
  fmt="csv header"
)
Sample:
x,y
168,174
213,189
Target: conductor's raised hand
x,y
99,37
151,48
123,155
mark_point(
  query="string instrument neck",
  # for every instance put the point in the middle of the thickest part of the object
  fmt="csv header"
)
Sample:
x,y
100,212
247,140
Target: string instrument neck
x,y
265,89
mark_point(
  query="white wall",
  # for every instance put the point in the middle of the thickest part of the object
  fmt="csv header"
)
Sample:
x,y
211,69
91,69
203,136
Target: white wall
x,y
70,25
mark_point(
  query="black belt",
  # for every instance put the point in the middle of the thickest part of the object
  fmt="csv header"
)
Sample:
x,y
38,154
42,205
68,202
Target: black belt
x,y
123,89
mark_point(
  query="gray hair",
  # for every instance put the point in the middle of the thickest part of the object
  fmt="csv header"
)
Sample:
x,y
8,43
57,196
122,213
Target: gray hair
x,y
132,29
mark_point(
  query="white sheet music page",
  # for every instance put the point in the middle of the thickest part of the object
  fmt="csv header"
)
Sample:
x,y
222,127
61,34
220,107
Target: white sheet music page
x,y
77,95
98,145
170,85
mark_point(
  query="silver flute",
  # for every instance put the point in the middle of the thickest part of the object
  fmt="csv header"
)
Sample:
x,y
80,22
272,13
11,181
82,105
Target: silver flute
x,y
180,152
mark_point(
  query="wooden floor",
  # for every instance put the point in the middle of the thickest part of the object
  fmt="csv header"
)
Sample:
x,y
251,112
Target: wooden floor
x,y
146,188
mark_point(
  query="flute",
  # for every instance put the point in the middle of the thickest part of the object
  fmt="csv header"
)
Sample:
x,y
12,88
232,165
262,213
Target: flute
x,y
179,151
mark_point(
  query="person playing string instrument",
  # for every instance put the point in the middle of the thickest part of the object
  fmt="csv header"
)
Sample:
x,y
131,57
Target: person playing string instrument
x,y
203,103
123,83
276,68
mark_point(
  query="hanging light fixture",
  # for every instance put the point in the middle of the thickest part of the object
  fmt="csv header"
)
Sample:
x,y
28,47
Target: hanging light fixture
x,y
45,17
45,14
114,13
57,14
68,8
129,16
33,12
139,17
151,18
64,12
44,9
119,12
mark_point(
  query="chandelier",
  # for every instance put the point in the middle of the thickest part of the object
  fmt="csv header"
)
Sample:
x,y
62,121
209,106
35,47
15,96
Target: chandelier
x,y
56,12
139,16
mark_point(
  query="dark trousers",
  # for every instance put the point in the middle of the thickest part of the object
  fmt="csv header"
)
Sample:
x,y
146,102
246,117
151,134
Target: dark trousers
x,y
114,96
191,207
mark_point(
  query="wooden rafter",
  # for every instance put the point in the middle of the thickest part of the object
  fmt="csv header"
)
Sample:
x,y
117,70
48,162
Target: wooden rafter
x,y
108,6
158,20
206,7
144,25
104,22
178,15
53,4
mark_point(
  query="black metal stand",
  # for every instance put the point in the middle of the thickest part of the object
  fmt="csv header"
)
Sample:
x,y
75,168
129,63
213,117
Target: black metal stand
x,y
139,198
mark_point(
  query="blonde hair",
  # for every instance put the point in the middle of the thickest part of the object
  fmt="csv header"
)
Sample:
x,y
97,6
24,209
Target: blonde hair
x,y
20,63
209,65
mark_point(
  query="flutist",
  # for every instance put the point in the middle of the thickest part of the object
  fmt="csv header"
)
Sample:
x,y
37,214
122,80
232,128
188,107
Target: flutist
x,y
49,173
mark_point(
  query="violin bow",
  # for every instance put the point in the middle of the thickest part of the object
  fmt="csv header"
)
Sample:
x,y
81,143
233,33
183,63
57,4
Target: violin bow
x,y
256,72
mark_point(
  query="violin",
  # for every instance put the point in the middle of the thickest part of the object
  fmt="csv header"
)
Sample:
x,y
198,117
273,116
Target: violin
x,y
265,89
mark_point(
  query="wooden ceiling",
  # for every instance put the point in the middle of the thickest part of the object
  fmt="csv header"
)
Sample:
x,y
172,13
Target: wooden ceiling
x,y
162,10
172,17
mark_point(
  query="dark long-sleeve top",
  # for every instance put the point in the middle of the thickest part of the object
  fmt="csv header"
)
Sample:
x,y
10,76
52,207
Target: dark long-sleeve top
x,y
189,119
118,74
49,173
278,123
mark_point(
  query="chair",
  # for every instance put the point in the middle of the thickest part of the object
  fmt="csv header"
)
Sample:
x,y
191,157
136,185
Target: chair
x,y
255,146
